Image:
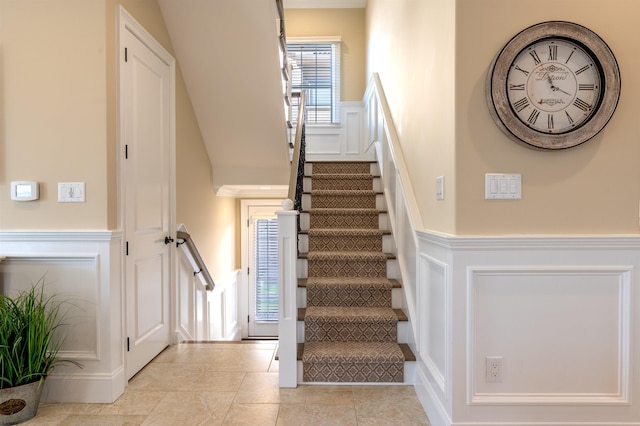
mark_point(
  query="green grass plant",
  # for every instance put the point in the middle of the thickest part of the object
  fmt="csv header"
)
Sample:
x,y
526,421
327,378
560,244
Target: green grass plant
x,y
28,350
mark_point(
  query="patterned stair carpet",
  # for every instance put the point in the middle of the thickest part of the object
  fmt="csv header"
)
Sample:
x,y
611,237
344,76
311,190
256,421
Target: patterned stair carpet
x,y
351,330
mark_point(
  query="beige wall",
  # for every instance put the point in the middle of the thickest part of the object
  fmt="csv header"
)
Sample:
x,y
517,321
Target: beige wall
x,y
52,111
210,220
58,121
590,189
347,23
411,45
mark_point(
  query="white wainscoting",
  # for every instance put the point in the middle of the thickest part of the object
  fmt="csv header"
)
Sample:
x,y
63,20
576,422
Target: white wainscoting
x,y
343,142
82,267
206,315
559,310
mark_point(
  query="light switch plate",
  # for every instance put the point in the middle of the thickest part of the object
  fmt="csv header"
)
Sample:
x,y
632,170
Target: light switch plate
x,y
71,192
500,186
440,188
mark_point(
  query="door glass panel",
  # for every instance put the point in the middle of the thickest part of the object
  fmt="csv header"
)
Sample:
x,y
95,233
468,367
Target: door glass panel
x,y
266,269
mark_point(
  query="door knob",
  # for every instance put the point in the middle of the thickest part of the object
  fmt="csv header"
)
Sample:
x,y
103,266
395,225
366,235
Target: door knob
x,y
168,240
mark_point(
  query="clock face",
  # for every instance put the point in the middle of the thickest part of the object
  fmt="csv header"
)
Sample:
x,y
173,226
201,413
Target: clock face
x,y
554,86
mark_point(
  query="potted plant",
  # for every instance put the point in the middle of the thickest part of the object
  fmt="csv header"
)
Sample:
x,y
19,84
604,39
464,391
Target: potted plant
x,y
28,351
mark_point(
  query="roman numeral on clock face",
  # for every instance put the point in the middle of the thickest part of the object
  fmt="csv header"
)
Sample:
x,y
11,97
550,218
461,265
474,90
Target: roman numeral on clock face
x,y
550,121
534,116
590,86
553,52
582,104
535,57
521,104
516,86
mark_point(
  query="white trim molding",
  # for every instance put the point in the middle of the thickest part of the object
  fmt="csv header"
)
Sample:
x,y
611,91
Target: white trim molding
x,y
82,267
558,309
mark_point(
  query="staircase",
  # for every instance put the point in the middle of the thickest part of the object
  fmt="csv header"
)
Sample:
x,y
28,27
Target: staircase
x,y
351,300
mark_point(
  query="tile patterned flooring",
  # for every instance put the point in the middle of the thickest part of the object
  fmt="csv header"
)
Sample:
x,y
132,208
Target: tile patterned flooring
x,y
235,383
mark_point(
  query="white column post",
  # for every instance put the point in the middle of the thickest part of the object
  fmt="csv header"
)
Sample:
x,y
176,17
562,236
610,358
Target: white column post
x,y
288,309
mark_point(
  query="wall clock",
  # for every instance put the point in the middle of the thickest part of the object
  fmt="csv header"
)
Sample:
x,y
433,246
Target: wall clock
x,y
554,85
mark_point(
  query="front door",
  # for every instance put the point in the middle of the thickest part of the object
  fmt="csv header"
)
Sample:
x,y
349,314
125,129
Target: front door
x,y
146,104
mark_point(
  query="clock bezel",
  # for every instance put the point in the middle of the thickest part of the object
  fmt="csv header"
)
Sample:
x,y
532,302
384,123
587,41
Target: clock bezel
x,y
497,95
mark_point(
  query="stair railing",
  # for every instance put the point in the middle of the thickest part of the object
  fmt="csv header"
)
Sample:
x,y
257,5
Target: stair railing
x,y
402,207
288,225
199,267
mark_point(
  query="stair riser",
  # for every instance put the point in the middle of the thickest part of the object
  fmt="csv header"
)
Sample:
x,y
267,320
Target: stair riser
x,y
336,201
372,169
354,373
409,374
382,222
396,298
387,244
350,332
403,331
309,185
392,269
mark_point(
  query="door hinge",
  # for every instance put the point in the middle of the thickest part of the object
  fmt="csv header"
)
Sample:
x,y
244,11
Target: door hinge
x,y
247,223
127,344
126,248
248,318
126,152
125,55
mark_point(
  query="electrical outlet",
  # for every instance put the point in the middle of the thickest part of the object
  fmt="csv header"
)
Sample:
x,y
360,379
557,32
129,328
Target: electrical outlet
x,y
494,369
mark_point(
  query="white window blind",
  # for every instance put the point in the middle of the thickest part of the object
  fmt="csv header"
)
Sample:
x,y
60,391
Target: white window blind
x,y
315,68
266,269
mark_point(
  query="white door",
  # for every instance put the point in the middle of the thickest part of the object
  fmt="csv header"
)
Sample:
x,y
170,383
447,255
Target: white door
x,y
146,169
263,271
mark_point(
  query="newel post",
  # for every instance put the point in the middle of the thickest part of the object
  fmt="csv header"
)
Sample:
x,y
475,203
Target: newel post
x,y
287,308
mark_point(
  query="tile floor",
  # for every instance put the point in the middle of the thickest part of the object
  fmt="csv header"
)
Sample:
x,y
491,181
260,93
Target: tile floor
x,y
235,383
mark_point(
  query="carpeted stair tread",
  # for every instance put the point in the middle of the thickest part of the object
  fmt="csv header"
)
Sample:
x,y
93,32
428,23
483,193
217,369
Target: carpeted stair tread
x,y
364,199
406,351
353,362
340,167
349,314
399,314
333,232
343,218
342,181
352,351
304,282
341,239
340,231
352,256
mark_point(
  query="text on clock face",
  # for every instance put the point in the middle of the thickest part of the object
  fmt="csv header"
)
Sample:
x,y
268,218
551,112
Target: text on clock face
x,y
553,86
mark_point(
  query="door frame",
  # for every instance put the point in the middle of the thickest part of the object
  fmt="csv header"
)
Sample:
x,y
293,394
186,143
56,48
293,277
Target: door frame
x,y
126,22
243,289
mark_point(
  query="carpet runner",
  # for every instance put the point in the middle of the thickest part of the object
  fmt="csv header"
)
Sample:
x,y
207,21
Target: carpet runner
x,y
350,328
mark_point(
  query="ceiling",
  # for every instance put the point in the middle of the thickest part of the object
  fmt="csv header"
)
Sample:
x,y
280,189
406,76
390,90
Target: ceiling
x,y
227,52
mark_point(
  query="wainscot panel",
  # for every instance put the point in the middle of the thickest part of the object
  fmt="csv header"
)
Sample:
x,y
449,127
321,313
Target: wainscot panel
x,y
83,268
557,311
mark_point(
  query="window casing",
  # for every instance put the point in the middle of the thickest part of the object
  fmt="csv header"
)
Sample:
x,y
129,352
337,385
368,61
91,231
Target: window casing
x,y
315,68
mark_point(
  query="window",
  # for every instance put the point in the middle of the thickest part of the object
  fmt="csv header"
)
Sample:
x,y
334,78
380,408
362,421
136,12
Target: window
x,y
315,68
266,274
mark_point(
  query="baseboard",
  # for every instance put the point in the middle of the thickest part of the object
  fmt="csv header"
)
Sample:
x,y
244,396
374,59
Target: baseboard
x,y
89,388
436,413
